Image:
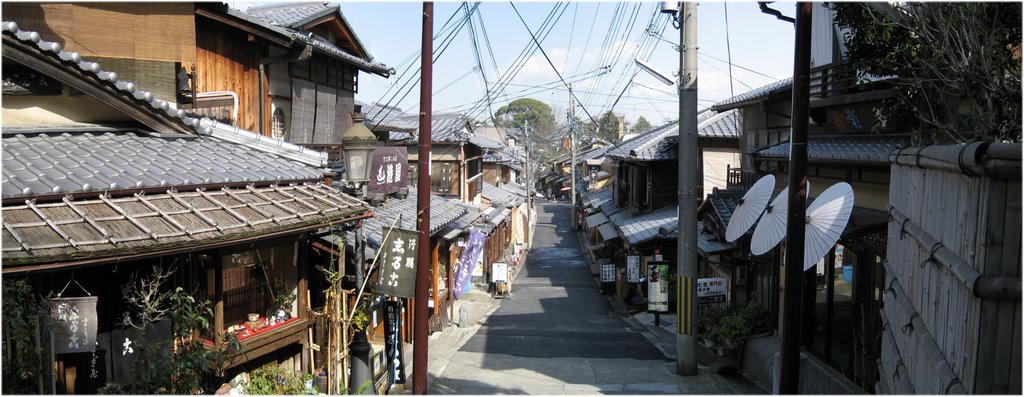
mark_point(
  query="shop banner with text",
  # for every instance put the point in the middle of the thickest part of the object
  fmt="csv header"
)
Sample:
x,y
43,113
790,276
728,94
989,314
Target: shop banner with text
x,y
471,254
75,327
398,264
390,165
657,287
393,341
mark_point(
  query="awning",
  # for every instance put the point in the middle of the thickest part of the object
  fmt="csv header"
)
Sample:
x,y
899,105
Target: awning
x,y
596,220
607,232
450,232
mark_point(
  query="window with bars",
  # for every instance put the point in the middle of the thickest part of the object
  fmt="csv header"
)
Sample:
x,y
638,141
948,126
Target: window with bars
x,y
278,125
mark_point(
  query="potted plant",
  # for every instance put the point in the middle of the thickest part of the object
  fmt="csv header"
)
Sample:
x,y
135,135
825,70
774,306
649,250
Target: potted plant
x,y
727,330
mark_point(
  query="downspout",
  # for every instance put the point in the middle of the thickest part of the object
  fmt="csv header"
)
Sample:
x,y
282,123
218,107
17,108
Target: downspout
x,y
263,99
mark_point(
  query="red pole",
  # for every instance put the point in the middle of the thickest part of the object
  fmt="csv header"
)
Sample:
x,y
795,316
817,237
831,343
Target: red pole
x,y
423,265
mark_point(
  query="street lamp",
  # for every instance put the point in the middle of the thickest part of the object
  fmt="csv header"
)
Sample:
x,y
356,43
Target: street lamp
x,y
358,144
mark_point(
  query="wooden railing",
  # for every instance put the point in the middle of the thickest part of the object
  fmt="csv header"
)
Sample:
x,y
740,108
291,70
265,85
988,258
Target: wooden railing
x,y
739,179
831,80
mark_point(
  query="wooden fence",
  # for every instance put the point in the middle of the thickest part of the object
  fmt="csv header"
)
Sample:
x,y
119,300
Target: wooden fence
x,y
952,308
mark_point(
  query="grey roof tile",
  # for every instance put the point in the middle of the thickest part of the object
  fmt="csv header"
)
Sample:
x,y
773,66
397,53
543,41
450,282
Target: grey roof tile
x,y
754,95
52,163
449,127
598,197
292,15
867,149
644,227
388,118
501,197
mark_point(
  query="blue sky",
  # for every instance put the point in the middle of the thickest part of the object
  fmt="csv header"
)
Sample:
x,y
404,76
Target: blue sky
x,y
578,45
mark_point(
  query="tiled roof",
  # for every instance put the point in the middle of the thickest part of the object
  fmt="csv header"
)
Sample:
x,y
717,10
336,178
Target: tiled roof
x,y
515,188
292,15
442,212
318,42
644,227
387,118
485,142
51,163
660,143
724,204
873,149
76,230
162,109
592,153
500,197
754,95
598,197
449,127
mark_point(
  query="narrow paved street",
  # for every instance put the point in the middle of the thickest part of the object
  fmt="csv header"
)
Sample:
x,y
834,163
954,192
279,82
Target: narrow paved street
x,y
556,334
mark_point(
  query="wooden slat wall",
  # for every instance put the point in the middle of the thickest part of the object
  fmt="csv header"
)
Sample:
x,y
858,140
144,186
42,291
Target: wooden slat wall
x,y
227,61
978,219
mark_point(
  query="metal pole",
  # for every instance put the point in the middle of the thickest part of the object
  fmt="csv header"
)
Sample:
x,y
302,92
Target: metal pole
x,y
423,266
686,291
789,365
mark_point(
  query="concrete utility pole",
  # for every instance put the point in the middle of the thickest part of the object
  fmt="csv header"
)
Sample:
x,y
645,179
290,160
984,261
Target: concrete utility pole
x,y
572,149
789,334
420,312
686,338
526,146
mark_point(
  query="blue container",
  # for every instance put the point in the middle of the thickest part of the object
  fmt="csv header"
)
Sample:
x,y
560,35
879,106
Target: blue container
x,y
848,274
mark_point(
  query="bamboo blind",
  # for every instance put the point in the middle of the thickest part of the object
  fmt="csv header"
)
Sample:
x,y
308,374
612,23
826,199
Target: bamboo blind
x,y
145,31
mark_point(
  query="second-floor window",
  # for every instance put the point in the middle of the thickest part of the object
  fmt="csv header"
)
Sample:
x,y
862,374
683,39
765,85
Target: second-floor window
x,y
444,178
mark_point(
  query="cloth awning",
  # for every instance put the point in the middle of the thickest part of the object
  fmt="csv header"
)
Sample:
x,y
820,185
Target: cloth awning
x,y
607,232
596,220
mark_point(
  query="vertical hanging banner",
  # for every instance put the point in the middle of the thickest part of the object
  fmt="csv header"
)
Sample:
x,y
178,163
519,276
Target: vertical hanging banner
x,y
393,341
471,254
657,287
390,165
398,263
75,328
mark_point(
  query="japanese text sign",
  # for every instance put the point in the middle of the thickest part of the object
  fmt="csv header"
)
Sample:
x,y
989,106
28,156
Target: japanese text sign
x,y
471,253
75,329
393,341
633,268
499,272
390,165
398,263
711,289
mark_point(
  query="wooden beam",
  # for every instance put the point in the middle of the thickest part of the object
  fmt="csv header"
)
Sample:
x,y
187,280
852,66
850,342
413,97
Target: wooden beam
x,y
263,33
852,98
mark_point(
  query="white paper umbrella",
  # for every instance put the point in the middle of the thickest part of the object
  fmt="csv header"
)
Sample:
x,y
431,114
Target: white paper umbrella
x,y
750,207
772,226
826,219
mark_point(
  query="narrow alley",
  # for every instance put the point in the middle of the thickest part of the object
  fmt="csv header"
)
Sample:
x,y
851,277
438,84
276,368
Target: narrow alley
x,y
556,334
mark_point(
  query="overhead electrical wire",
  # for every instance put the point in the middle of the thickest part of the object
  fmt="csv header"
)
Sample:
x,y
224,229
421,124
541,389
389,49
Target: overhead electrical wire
x,y
548,59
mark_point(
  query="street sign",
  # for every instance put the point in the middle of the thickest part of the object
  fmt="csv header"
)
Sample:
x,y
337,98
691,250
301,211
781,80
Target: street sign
x,y
499,272
712,289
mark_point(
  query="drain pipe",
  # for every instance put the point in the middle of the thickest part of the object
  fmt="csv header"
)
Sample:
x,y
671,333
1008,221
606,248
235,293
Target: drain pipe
x,y
234,101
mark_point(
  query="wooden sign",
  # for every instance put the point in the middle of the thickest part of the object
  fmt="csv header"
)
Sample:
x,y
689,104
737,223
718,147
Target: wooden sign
x,y
398,264
75,328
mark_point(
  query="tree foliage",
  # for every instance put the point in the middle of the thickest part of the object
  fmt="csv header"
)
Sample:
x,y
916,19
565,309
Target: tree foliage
x,y
526,110
608,127
641,125
24,313
956,66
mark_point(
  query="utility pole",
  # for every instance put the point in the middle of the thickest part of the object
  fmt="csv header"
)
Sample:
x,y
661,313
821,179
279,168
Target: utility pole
x,y
420,311
686,265
572,149
789,334
526,146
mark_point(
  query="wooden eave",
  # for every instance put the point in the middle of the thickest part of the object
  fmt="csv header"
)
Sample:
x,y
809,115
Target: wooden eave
x,y
104,91
340,29
263,33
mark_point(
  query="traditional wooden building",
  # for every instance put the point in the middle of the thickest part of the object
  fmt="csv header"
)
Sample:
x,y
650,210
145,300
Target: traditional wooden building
x,y
290,71
137,188
457,162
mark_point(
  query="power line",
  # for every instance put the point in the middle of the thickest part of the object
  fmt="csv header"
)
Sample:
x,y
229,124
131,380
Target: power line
x,y
549,59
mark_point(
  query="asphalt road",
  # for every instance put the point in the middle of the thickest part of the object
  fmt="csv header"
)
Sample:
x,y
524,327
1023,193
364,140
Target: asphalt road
x,y
556,309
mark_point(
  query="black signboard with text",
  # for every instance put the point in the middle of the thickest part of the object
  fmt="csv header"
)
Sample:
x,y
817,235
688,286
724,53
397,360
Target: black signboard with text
x,y
393,341
390,165
398,263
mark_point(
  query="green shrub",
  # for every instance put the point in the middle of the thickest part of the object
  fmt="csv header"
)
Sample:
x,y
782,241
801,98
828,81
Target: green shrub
x,y
731,327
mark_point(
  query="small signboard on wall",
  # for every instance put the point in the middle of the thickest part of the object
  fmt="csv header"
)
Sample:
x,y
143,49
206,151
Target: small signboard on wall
x,y
711,290
608,273
633,268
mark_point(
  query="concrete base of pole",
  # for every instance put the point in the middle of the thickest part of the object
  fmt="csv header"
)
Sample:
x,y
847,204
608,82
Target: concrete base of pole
x,y
686,351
